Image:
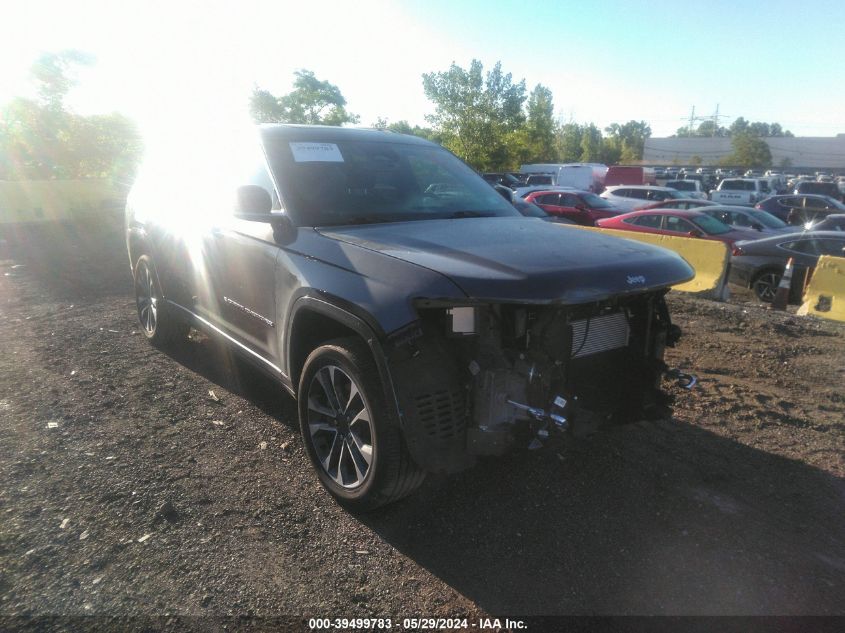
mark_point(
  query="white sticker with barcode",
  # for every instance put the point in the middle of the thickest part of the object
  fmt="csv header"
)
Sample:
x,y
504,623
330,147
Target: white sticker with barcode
x,y
316,153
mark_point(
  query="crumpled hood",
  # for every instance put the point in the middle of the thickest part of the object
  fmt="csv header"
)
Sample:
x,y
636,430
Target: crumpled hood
x,y
526,260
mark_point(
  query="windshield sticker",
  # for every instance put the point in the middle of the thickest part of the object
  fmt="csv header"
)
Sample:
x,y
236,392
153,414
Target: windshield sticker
x,y
316,153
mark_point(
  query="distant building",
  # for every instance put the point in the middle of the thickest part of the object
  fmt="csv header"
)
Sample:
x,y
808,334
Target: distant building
x,y
804,152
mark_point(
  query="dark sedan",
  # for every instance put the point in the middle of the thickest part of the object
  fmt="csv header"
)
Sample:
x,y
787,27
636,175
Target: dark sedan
x,y
502,179
833,222
759,264
820,188
800,209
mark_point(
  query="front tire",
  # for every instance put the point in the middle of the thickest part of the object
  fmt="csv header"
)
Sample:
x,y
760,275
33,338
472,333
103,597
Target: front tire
x,y
158,323
350,433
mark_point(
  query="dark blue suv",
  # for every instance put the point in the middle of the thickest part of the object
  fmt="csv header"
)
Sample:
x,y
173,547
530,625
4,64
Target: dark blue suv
x,y
418,318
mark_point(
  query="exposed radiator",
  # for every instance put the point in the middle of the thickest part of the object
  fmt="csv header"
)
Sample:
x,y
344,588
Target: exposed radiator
x,y
442,414
599,334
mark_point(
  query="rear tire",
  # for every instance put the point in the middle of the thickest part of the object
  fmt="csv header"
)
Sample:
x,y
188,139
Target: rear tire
x,y
765,285
350,433
159,322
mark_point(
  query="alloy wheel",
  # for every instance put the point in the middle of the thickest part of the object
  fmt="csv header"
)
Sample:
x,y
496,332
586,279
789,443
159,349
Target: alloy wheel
x,y
146,298
766,286
340,426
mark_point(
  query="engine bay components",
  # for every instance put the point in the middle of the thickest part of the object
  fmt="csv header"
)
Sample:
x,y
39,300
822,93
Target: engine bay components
x,y
483,379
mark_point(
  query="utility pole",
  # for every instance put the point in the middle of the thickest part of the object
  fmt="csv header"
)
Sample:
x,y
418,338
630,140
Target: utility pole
x,y
691,119
715,121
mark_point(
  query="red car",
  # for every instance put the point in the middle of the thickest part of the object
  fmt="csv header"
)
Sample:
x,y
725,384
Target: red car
x,y
678,222
582,207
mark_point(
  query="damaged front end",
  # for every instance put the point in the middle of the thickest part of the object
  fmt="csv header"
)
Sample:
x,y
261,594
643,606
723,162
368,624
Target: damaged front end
x,y
479,379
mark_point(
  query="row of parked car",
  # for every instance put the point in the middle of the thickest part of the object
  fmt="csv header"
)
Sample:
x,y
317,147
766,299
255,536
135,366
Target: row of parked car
x,y
780,182
761,238
725,186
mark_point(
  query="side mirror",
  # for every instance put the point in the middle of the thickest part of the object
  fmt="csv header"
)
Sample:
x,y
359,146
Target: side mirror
x,y
253,203
505,192
695,233
757,226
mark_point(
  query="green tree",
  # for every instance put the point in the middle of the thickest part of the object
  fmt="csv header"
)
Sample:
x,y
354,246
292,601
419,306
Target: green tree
x,y
613,153
403,127
264,106
41,139
540,127
757,128
55,75
739,126
474,112
750,152
569,142
706,129
709,129
591,144
627,141
311,101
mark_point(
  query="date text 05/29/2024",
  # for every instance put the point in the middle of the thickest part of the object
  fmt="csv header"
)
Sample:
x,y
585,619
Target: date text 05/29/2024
x,y
415,624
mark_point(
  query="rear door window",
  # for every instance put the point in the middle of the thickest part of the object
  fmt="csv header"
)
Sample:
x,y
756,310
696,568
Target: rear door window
x,y
816,203
650,221
806,247
832,246
569,200
549,198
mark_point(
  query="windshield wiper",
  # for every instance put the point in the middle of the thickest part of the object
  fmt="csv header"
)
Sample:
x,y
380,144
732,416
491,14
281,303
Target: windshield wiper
x,y
367,219
467,214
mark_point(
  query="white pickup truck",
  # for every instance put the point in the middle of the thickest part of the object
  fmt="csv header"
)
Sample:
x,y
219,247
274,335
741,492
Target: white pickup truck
x,y
742,191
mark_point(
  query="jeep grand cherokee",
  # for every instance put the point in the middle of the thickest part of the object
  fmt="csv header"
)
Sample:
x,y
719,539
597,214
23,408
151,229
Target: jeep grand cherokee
x,y
419,320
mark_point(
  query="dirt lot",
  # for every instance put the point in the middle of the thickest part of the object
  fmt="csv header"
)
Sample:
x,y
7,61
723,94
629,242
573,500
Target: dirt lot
x,y
129,489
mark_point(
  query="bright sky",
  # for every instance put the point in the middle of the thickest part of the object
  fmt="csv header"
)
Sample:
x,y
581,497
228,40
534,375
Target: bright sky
x,y
168,63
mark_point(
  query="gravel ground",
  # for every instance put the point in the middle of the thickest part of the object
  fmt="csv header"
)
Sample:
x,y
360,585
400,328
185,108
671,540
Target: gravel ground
x,y
139,483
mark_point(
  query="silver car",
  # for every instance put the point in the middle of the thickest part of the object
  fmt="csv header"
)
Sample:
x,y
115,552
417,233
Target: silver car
x,y
746,218
633,197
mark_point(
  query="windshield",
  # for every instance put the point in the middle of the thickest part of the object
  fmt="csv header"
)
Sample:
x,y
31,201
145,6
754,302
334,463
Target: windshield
x,y
364,182
711,226
681,185
737,185
767,219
